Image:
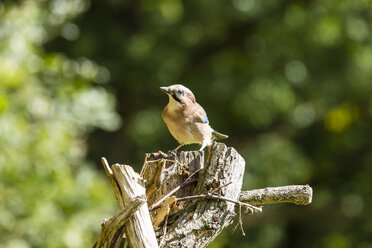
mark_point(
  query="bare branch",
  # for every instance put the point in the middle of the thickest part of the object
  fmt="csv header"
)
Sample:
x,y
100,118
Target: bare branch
x,y
113,182
159,202
240,219
297,194
217,197
164,231
111,226
220,187
186,182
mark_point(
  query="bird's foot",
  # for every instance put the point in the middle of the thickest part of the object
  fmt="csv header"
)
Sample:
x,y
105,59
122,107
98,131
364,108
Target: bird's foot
x,y
178,147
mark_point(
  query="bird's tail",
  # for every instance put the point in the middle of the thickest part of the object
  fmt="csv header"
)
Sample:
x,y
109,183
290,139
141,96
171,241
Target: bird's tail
x,y
218,136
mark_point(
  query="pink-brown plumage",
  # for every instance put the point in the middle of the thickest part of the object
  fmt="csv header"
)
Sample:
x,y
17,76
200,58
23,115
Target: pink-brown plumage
x,y
186,119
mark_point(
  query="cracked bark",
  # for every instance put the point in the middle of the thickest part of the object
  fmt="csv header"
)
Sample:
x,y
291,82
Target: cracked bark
x,y
200,221
195,223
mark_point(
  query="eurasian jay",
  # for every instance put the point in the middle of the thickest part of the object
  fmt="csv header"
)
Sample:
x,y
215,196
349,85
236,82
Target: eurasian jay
x,y
186,119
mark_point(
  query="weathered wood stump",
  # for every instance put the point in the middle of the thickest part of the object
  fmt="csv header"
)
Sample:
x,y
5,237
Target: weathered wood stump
x,y
199,221
134,219
190,198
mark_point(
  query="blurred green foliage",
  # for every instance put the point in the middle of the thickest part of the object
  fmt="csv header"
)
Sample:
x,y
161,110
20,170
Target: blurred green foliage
x,y
50,196
289,81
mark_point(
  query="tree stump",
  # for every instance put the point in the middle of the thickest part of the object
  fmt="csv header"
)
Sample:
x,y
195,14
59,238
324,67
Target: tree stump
x,y
190,198
195,223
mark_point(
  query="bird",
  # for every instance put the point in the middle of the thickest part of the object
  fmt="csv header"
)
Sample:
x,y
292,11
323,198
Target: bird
x,y
186,120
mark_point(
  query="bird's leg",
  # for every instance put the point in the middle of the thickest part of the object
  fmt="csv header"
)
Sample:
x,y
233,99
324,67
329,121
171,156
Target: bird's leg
x,y
178,147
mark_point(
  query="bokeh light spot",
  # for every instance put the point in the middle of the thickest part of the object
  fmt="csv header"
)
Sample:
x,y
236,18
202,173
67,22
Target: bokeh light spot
x,y
352,205
363,58
246,6
16,243
357,29
303,115
171,10
328,31
191,34
295,16
139,46
88,69
3,104
338,119
336,240
70,31
263,100
296,72
145,126
103,75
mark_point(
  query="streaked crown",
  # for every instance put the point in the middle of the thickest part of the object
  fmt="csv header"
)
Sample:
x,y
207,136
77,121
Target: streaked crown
x,y
179,93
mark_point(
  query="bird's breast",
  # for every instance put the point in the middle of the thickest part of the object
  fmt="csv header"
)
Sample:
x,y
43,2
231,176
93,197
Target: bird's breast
x,y
182,129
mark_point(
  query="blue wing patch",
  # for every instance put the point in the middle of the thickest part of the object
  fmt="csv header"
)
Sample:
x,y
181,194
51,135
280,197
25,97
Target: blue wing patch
x,y
205,118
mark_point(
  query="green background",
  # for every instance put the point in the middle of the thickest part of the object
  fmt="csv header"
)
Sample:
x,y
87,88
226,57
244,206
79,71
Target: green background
x,y
289,81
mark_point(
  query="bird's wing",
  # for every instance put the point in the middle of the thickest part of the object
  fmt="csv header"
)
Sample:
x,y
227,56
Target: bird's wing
x,y
200,114
205,118
196,113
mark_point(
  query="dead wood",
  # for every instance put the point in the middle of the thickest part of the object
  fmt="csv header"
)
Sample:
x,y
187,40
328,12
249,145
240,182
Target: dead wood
x,y
191,198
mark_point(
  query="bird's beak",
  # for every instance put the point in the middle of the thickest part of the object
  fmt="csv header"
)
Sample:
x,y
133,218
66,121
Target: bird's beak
x,y
165,90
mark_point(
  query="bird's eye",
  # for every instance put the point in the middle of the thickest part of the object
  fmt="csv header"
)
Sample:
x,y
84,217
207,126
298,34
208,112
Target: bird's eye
x,y
180,92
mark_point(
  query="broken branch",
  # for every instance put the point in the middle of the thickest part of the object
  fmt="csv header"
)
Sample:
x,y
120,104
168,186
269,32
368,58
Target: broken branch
x,y
111,226
297,194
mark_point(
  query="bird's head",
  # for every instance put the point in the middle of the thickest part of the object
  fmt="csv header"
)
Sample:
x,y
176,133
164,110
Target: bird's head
x,y
179,95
